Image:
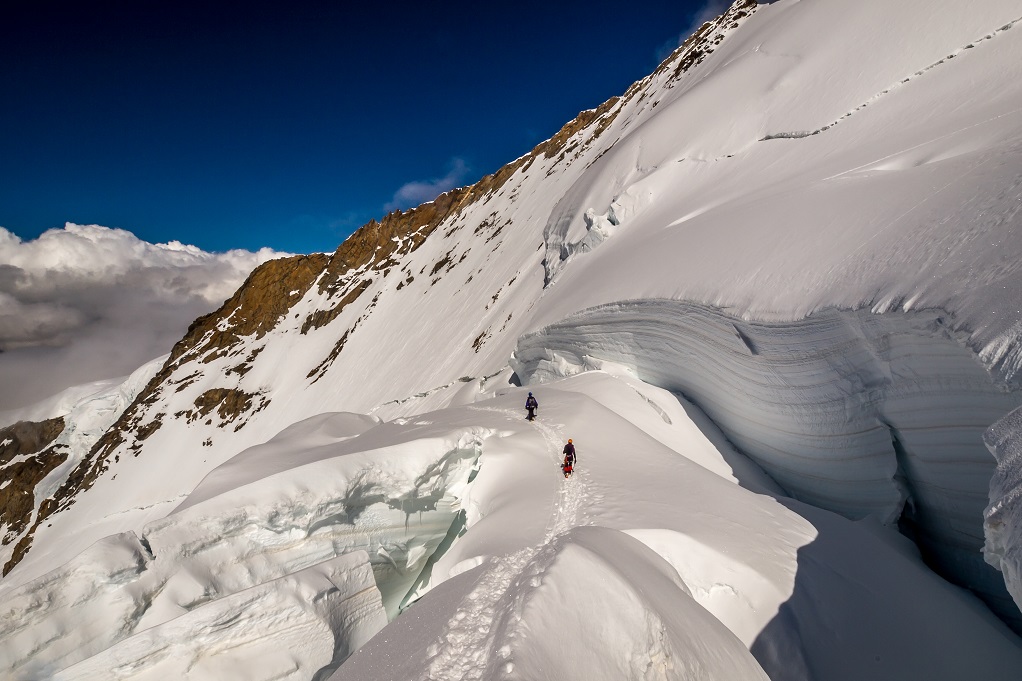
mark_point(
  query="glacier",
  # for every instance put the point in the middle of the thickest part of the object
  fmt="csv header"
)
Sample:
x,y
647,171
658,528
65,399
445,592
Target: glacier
x,y
305,623
772,293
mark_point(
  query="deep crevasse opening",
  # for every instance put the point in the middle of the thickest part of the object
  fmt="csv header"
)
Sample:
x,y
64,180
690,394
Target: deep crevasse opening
x,y
858,413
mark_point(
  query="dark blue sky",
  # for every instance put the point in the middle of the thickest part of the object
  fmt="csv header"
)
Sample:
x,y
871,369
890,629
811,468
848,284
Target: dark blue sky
x,y
249,124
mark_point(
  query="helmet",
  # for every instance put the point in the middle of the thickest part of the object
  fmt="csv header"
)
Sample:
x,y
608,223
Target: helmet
x,y
530,394
569,440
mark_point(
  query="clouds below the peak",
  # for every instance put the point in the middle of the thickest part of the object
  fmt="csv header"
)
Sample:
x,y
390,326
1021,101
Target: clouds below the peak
x,y
420,191
87,302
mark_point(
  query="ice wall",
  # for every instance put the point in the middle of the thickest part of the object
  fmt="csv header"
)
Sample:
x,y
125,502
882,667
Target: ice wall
x,y
863,414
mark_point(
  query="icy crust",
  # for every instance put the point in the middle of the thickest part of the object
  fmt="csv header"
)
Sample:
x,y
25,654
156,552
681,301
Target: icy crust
x,y
392,505
1003,517
863,414
293,627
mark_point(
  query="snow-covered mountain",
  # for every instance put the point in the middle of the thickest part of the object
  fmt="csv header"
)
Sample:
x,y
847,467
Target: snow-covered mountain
x,y
773,294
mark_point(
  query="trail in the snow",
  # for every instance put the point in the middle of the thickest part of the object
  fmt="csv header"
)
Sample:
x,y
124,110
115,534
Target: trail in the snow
x,y
465,649
569,503
799,134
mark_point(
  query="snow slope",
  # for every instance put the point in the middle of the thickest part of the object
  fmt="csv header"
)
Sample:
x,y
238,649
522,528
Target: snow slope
x,y
791,250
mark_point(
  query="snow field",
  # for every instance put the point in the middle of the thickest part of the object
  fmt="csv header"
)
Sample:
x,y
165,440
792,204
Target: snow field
x,y
545,578
605,606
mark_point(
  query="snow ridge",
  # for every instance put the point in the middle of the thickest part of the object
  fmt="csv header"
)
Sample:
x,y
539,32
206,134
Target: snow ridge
x,y
471,636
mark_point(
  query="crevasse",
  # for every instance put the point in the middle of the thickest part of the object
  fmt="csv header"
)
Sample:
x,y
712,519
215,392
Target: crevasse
x,y
353,531
858,413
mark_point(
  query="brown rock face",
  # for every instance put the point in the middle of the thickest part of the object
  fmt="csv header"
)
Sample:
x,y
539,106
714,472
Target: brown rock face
x,y
27,437
24,461
707,37
377,247
230,405
262,301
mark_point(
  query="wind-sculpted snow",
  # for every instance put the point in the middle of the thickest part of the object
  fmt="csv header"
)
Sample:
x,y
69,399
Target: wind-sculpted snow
x,y
1003,517
863,414
391,506
41,631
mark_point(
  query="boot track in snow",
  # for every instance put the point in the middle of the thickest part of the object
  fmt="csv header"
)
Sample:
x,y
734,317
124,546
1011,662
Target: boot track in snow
x,y
465,651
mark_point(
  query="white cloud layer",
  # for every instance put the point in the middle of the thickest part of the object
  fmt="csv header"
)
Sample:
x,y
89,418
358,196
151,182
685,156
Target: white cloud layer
x,y
415,193
87,302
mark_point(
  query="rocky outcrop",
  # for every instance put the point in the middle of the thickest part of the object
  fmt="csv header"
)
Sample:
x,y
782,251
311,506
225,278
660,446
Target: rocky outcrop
x,y
706,38
258,306
27,437
230,405
26,458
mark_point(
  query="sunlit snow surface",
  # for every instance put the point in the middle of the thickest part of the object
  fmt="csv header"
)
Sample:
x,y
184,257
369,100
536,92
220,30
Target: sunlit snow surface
x,y
309,542
826,211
